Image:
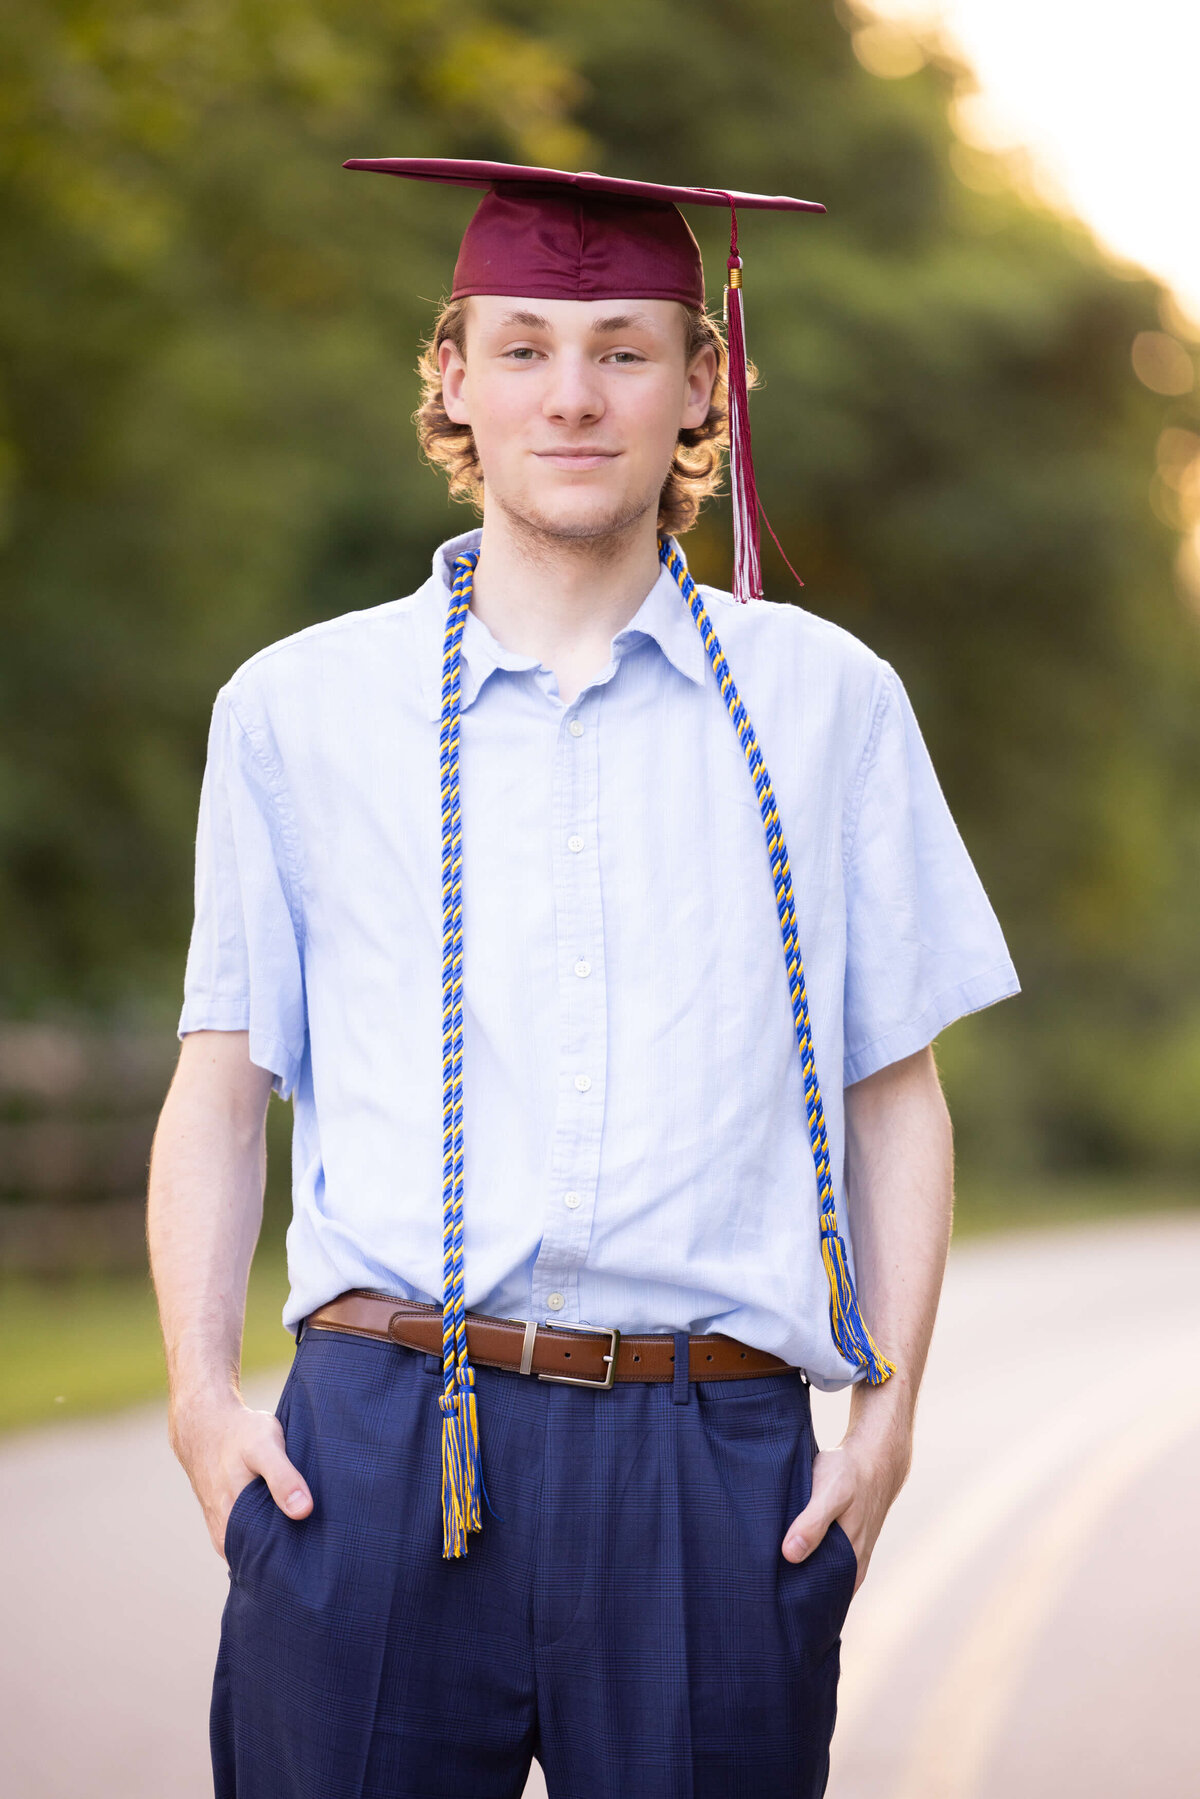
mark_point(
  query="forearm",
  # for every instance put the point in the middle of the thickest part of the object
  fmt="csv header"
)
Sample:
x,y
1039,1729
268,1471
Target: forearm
x,y
204,1213
207,1174
900,1185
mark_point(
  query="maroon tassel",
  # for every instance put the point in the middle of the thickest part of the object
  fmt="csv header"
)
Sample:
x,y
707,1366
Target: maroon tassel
x,y
747,561
747,564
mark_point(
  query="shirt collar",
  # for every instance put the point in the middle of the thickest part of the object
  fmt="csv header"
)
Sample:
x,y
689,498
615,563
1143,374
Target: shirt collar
x,y
662,616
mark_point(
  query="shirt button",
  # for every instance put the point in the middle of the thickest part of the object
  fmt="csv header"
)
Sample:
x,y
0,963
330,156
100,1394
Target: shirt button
x,y
583,1082
555,1301
573,1200
582,967
576,727
575,843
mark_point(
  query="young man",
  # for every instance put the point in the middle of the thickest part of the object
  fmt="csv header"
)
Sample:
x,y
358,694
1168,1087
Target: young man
x,y
560,886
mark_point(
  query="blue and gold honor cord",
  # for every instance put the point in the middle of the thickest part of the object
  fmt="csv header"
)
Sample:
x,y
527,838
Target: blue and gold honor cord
x,y
461,1472
462,1478
850,1334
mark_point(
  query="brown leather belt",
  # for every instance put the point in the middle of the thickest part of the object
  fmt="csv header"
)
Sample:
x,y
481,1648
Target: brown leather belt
x,y
590,1355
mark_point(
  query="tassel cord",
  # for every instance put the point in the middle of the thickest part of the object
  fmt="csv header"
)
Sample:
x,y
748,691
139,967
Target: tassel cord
x,y
461,1470
850,1334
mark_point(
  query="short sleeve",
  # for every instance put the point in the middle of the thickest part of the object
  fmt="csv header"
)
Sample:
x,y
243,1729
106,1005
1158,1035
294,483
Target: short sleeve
x,y
923,945
245,966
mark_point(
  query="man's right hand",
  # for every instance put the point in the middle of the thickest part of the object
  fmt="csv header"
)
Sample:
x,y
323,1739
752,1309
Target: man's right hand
x,y
222,1446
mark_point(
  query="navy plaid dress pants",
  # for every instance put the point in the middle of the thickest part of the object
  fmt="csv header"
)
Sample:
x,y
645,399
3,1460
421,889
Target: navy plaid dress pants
x,y
625,1615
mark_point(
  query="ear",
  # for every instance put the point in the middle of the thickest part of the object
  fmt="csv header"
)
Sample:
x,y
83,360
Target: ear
x,y
454,375
698,388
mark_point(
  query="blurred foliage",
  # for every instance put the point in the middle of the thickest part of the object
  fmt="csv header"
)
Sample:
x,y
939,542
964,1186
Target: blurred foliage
x,y
208,333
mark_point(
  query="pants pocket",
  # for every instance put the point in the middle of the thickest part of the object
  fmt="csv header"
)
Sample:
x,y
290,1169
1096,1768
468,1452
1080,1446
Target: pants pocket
x,y
814,1595
248,1500
849,1557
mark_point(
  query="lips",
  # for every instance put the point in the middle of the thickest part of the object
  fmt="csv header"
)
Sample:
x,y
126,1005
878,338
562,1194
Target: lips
x,y
577,457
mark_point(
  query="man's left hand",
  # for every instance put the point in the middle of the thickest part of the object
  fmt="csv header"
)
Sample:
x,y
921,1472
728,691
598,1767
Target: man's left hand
x,y
856,1483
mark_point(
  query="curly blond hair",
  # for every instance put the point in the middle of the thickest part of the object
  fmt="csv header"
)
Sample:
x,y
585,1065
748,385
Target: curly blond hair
x,y
695,471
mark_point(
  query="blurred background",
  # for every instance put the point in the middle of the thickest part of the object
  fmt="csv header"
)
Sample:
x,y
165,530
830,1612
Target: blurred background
x,y
978,438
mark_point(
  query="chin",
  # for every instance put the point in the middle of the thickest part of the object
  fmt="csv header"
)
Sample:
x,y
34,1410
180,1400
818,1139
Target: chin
x,y
578,516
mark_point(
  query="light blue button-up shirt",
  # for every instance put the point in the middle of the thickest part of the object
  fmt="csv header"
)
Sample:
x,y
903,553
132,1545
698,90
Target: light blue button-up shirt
x,y
636,1149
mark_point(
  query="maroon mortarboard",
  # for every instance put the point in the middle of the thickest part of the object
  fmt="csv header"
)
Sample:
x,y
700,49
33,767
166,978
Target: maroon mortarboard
x,y
551,235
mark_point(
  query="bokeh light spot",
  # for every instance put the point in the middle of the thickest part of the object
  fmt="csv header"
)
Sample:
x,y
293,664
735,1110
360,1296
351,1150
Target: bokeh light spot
x,y
888,50
1162,364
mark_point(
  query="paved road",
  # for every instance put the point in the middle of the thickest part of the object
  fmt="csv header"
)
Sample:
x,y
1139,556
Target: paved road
x,y
1027,1626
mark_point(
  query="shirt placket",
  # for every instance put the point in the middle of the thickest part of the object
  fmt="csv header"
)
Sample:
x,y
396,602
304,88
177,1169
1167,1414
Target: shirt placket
x,y
582,1046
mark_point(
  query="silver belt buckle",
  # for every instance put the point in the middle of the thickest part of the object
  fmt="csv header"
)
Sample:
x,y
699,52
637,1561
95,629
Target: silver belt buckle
x,y
574,1380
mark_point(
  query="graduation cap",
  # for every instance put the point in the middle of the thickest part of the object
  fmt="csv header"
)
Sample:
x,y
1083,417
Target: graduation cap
x,y
552,235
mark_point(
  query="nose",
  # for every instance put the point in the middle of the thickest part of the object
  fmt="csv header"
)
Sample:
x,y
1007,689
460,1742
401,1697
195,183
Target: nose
x,y
573,395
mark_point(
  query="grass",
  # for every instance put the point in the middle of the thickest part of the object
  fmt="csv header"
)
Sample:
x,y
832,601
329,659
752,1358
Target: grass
x,y
72,1348
983,1207
75,1348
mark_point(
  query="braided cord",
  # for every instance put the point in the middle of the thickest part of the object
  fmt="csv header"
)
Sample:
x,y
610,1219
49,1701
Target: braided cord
x,y
461,1473
850,1334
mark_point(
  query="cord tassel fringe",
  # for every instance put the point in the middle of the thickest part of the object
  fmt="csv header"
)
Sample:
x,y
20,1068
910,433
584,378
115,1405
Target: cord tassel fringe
x,y
461,1475
850,1334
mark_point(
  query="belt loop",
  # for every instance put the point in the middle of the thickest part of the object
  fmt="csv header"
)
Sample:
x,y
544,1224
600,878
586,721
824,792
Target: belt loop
x,y
680,1385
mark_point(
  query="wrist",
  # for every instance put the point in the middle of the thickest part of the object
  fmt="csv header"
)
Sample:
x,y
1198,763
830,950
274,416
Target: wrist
x,y
882,1418
203,1404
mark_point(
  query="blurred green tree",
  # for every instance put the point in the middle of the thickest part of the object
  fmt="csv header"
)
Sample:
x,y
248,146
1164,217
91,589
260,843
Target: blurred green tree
x,y
208,334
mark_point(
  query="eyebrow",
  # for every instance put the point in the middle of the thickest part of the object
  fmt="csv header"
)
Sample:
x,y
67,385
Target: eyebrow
x,y
621,321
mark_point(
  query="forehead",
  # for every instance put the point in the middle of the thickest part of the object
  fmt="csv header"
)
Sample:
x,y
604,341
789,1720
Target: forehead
x,y
505,312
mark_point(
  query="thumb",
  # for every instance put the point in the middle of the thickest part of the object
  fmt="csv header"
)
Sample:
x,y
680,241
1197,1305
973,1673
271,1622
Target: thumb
x,y
288,1487
806,1530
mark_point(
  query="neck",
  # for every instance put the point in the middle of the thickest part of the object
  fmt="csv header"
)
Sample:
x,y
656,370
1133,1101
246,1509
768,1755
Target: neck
x,y
562,599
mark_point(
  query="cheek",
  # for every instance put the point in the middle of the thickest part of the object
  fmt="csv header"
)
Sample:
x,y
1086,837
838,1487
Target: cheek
x,y
500,413
650,411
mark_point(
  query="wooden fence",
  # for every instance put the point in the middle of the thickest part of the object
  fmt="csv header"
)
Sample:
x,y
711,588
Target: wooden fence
x,y
78,1108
